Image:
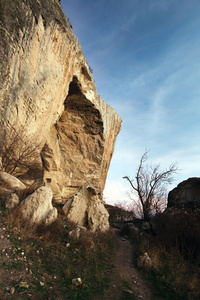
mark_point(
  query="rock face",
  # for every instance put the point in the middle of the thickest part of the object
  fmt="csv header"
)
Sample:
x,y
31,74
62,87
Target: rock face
x,y
37,208
186,194
48,95
86,208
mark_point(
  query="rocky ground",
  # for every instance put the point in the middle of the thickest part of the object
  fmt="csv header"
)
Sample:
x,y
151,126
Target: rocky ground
x,y
11,278
18,280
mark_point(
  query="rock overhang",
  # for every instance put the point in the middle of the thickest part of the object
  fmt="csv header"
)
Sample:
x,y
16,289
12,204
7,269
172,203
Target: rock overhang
x,y
48,91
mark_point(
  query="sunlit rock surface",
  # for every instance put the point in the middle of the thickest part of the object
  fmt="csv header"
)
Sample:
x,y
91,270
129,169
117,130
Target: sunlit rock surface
x,y
48,94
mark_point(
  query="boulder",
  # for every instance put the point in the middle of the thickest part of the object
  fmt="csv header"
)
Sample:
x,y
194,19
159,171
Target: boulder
x,y
75,233
186,194
12,201
98,216
10,182
76,282
37,208
87,209
144,261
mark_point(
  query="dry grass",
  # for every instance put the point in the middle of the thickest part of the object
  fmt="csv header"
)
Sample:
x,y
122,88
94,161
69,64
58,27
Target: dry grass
x,y
54,253
175,253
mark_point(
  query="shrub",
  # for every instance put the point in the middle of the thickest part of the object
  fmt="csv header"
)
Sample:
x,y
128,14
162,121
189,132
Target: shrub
x,y
17,156
180,229
175,253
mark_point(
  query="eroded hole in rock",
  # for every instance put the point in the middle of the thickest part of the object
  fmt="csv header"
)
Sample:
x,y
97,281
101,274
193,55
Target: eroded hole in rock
x,y
85,73
81,108
74,149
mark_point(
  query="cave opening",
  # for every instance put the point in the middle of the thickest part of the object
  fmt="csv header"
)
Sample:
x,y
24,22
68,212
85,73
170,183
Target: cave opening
x,y
76,141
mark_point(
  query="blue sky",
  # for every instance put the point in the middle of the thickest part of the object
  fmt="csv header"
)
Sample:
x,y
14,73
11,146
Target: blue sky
x,y
145,56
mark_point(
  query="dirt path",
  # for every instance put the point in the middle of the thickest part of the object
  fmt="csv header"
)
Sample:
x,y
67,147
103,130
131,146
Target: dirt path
x,y
124,272
138,285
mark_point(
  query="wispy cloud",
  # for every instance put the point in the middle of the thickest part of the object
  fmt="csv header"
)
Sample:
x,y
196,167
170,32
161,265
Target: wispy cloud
x,y
116,192
145,57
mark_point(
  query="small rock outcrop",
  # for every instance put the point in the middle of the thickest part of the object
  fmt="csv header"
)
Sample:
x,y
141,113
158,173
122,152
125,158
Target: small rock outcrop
x,y
186,194
37,208
86,208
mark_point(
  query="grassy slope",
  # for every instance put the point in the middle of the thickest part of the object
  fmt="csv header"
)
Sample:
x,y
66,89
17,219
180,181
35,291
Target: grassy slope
x,y
48,259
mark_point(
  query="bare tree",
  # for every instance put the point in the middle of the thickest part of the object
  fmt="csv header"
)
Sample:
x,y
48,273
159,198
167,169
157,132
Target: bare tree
x,y
150,185
17,156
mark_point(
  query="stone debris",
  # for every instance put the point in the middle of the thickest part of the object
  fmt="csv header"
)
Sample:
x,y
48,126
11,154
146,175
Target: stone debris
x,y
128,292
144,261
12,290
75,233
23,284
76,281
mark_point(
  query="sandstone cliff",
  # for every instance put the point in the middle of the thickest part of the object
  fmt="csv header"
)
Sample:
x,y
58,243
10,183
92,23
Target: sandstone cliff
x,y
49,97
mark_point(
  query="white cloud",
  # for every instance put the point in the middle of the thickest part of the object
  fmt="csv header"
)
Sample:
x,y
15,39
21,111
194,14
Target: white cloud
x,y
116,192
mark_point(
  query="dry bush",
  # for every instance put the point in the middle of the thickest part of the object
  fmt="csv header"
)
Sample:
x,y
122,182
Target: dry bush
x,y
175,251
51,253
52,232
17,156
15,219
172,270
180,229
88,241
